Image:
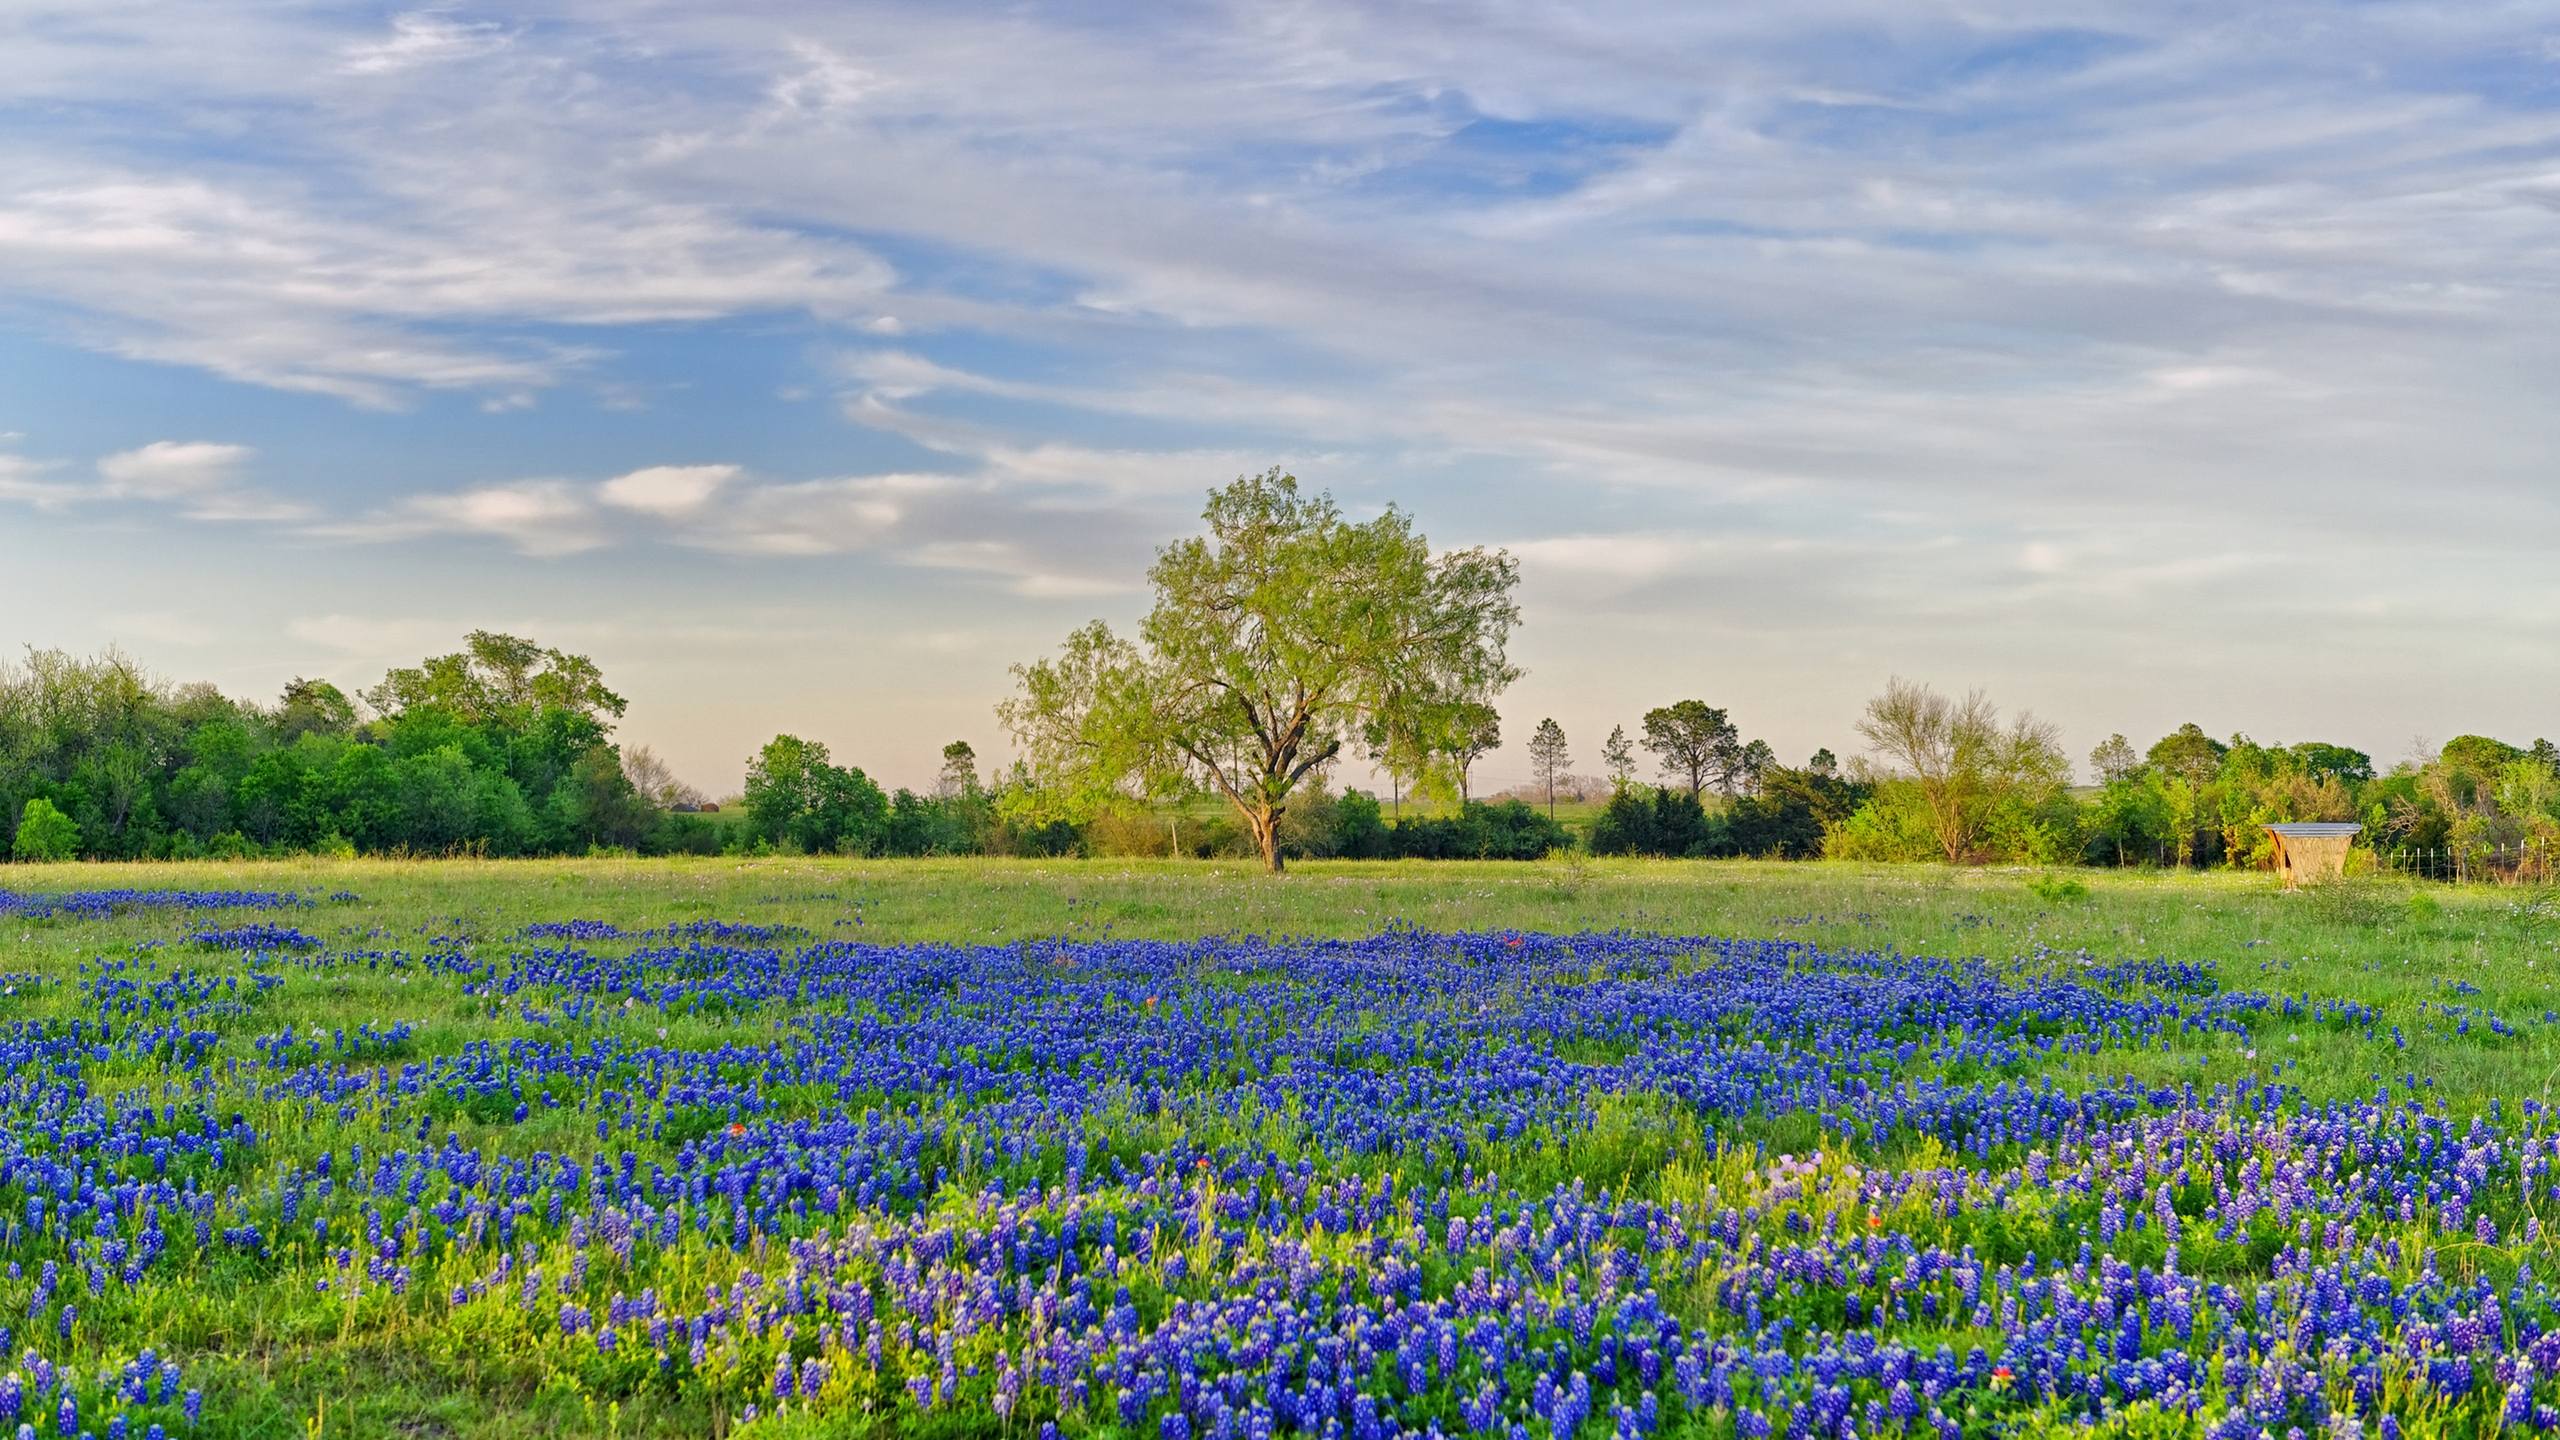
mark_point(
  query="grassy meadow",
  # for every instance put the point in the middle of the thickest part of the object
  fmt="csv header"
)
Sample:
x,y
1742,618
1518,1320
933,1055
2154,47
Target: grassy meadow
x,y
291,1038
2403,948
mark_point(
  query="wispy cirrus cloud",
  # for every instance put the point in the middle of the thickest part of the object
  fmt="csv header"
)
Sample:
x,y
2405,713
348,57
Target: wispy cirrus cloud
x,y
1068,545
425,37
196,479
200,479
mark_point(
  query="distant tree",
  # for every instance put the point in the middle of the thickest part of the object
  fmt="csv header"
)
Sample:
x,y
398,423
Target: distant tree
x,y
1790,810
655,781
45,833
1693,740
502,679
1547,755
1394,745
1755,761
313,707
2478,754
2336,762
1274,640
599,805
1470,731
1962,760
959,771
2188,753
2545,754
1619,755
1823,763
795,794
2114,759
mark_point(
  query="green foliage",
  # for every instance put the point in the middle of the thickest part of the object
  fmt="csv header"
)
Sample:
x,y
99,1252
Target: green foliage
x,y
2187,753
1893,825
1696,743
1619,755
2057,889
45,833
1503,830
795,797
1641,820
1788,814
1276,639
498,749
1982,787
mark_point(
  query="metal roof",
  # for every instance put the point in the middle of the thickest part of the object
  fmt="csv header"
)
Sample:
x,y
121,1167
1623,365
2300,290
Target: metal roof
x,y
2309,829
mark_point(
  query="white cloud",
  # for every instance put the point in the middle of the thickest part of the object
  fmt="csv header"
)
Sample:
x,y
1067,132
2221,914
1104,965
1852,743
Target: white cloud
x,y
25,481
425,38
172,469
667,490
536,517
200,478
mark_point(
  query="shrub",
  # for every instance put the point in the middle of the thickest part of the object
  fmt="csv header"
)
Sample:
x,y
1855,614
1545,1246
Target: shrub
x,y
45,833
1129,836
2057,889
2361,903
1666,821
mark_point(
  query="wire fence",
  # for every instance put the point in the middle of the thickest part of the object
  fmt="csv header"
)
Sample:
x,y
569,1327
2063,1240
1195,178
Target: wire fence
x,y
2529,862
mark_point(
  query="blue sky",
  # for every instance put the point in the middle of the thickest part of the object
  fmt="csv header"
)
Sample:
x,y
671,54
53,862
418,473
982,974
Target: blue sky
x,y
809,363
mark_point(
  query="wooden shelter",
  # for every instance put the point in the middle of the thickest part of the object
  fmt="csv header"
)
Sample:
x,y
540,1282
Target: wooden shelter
x,y
2313,849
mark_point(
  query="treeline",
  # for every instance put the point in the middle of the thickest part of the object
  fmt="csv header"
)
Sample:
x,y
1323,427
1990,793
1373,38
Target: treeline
x,y
501,748
1953,781
505,747
798,799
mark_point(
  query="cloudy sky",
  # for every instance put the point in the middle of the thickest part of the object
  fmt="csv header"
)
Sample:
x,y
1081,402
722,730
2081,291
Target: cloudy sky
x,y
807,363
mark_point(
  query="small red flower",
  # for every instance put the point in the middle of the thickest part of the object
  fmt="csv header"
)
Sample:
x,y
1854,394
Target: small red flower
x,y
736,1129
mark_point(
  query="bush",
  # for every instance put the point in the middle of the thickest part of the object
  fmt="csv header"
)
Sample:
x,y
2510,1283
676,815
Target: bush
x,y
1511,830
2057,889
2360,903
678,833
45,833
1129,836
1892,825
1665,821
1359,830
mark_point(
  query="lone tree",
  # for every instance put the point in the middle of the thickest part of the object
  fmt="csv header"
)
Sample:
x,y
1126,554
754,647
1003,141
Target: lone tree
x,y
1276,638
959,775
1695,742
1964,761
1620,756
1547,755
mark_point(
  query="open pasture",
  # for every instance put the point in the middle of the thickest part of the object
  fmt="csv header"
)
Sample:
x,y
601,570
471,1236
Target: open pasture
x,y
790,1148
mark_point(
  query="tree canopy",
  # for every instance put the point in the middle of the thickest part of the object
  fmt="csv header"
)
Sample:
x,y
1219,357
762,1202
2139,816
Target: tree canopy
x,y
1695,742
1276,638
1964,764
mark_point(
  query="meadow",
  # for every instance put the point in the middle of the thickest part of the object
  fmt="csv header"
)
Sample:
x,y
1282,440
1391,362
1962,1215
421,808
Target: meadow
x,y
800,1147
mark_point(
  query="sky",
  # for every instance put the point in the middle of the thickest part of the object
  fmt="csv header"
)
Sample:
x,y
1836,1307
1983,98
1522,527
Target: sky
x,y
809,363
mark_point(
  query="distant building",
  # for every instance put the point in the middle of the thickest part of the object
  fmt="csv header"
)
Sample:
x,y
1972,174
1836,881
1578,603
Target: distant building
x,y
2313,849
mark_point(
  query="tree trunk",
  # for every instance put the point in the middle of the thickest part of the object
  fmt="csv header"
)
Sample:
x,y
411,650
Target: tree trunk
x,y
1266,834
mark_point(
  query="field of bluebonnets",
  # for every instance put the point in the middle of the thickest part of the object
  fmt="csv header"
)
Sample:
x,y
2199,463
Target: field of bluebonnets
x,y
802,1148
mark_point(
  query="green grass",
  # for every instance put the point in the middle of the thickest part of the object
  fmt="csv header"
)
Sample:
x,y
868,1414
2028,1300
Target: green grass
x,y
283,1362
2398,947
